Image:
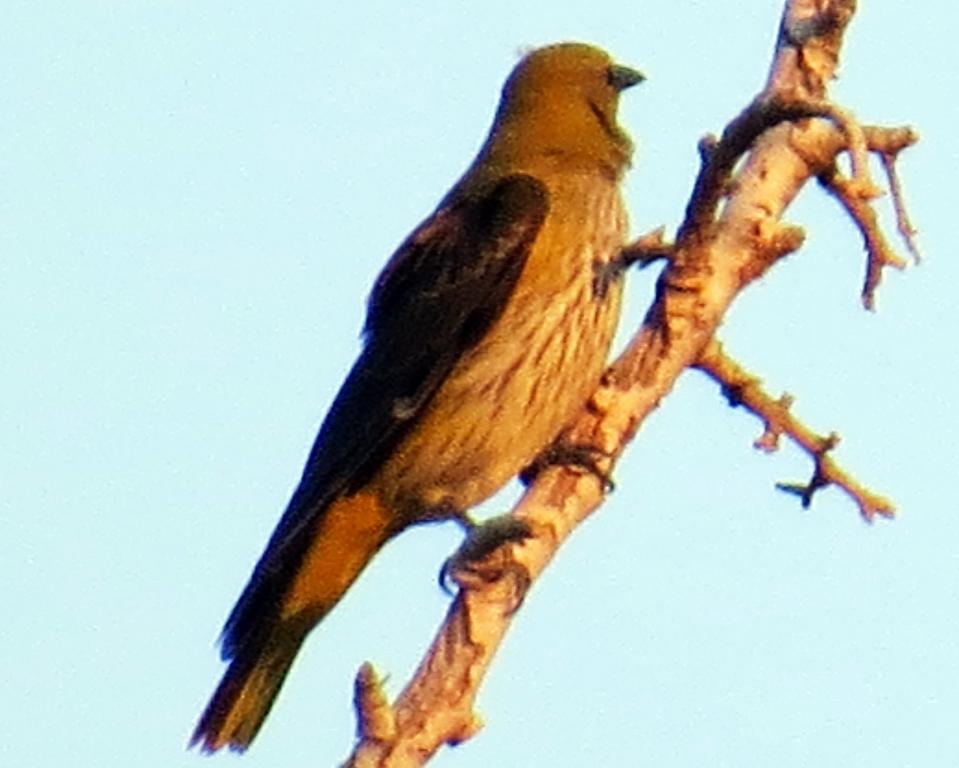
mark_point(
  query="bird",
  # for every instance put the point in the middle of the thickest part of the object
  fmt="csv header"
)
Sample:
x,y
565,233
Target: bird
x,y
485,333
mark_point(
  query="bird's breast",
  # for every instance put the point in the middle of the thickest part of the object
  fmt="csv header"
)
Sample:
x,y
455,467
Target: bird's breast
x,y
523,382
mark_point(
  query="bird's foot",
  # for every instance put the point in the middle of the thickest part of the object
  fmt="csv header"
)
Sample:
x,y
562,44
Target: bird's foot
x,y
644,250
481,558
564,454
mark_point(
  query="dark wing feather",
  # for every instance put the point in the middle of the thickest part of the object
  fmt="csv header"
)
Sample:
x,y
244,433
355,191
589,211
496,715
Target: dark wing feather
x,y
436,298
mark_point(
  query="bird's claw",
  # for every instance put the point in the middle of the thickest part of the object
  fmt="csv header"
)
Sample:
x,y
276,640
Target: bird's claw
x,y
477,562
645,250
563,454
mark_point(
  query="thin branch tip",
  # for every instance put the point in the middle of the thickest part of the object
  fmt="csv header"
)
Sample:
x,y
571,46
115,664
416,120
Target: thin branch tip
x,y
907,232
375,718
879,253
744,389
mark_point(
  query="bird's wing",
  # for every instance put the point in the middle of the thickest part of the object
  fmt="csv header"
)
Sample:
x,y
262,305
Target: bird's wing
x,y
438,295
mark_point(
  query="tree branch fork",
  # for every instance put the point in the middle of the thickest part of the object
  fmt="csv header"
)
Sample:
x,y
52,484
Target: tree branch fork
x,y
732,233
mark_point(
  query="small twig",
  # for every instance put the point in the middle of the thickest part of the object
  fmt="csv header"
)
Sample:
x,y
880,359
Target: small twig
x,y
741,388
879,253
888,143
861,184
719,156
903,223
768,441
375,718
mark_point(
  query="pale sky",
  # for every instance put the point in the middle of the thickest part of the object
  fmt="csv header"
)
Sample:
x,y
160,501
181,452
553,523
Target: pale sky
x,y
194,201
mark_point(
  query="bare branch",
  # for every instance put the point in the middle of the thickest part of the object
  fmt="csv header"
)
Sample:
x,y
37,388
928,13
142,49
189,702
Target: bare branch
x,y
880,253
719,157
741,388
906,230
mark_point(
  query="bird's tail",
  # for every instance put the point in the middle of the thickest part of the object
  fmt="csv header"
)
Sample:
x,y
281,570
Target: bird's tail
x,y
279,608
244,696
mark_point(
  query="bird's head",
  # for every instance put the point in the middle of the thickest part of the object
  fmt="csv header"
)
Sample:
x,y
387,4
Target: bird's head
x,y
560,102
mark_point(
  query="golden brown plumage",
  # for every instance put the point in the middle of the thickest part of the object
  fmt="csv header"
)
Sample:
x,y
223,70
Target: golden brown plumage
x,y
485,333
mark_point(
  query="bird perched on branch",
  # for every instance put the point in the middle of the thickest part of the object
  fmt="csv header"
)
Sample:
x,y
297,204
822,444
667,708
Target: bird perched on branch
x,y
485,333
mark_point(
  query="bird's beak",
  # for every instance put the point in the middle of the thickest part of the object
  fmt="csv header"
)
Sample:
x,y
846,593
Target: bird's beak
x,y
621,77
